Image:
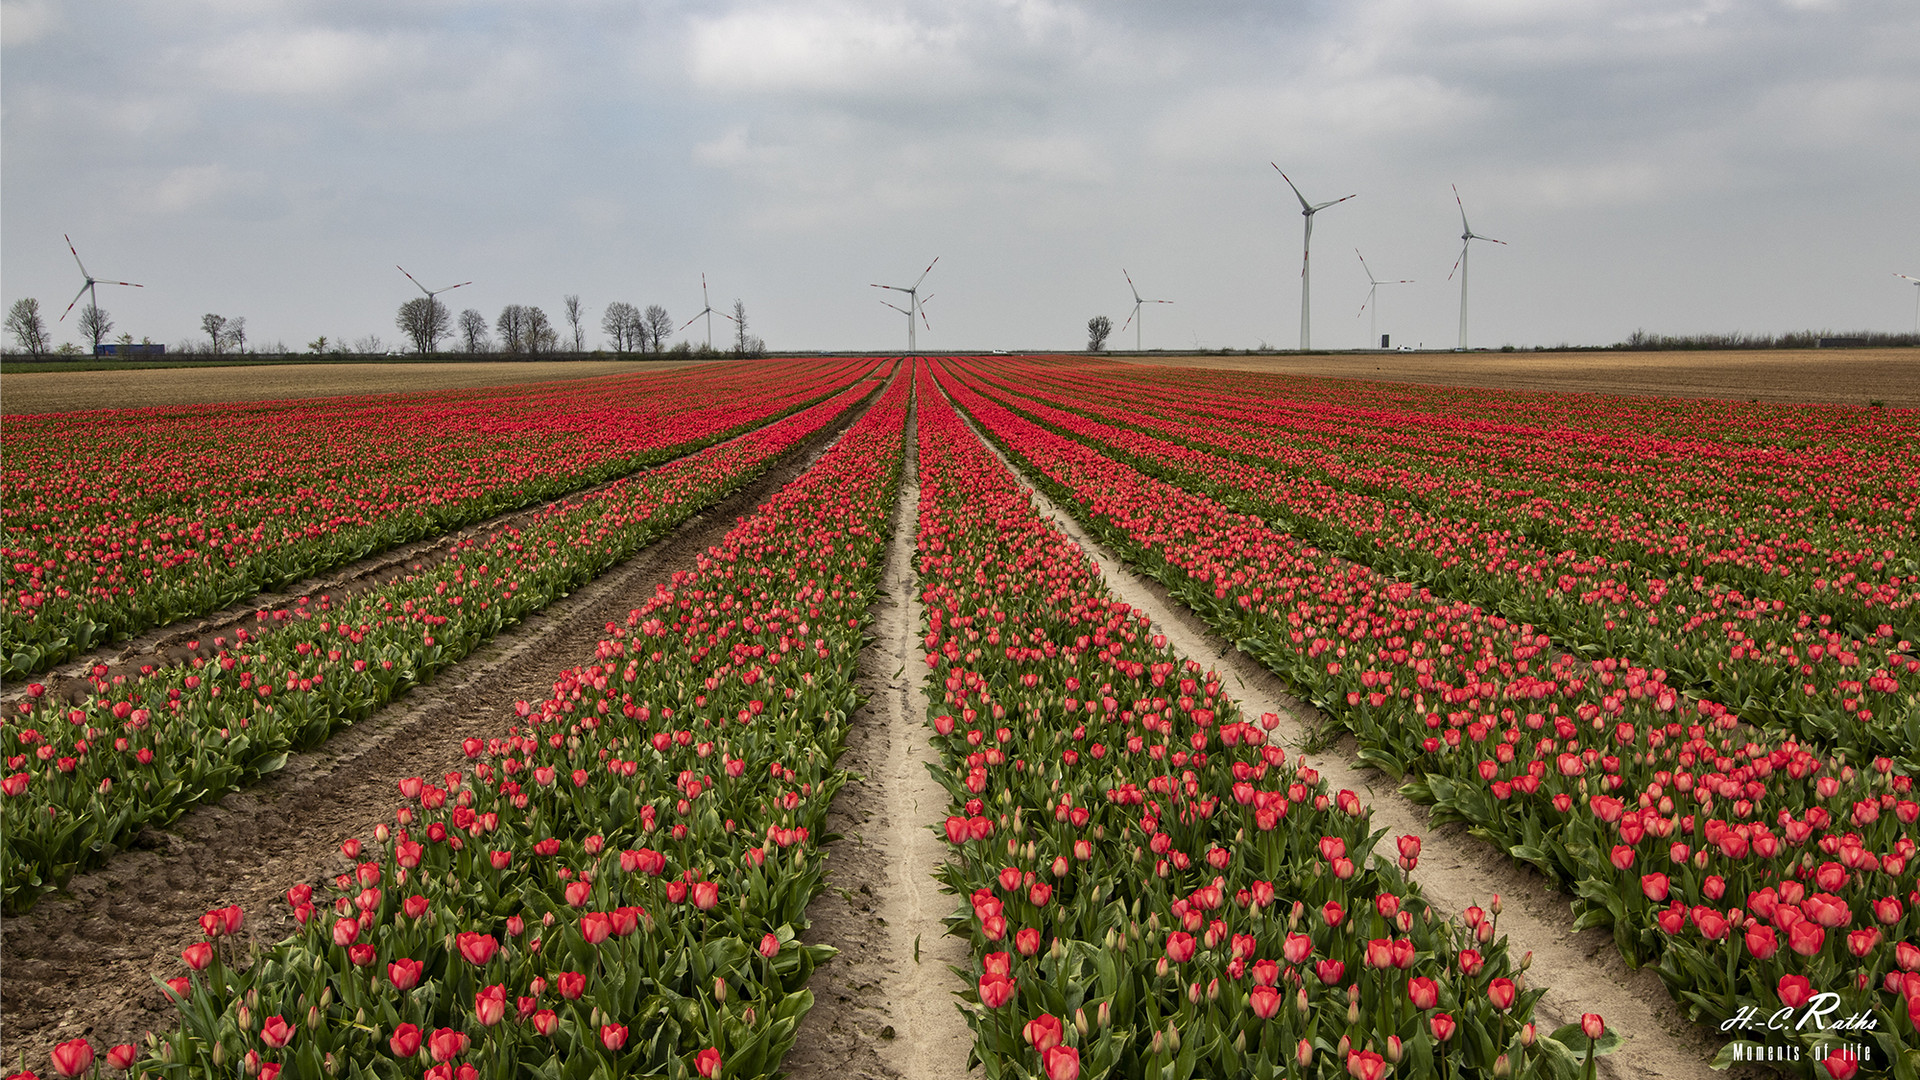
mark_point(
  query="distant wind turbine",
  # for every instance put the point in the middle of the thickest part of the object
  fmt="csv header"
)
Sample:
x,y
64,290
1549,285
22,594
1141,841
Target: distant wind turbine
x,y
1467,237
1135,316
1373,325
91,281
913,304
1915,281
431,293
706,310
1307,210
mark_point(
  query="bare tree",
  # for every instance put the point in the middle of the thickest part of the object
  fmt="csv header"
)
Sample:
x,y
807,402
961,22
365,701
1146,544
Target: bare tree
x,y
29,330
570,304
424,321
513,328
371,345
236,335
541,336
473,331
1098,328
622,323
659,327
739,328
95,324
216,329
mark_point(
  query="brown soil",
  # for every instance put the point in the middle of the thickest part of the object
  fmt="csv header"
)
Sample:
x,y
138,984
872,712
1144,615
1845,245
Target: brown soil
x,y
82,963
884,1007
70,391
1583,972
1837,376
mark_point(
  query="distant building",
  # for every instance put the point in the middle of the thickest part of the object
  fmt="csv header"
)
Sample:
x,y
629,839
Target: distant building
x,y
110,349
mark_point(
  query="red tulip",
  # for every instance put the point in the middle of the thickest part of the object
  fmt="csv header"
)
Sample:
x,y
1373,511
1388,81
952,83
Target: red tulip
x,y
1861,942
490,1005
1501,993
1364,1064
405,1041
198,955
1061,1063
1329,971
345,931
706,895
1655,887
1423,992
275,1032
1265,1001
1443,1026
570,984
995,991
707,1063
1592,1026
1297,948
1806,938
1044,1031
477,949
1842,1065
1180,947
123,1056
72,1058
769,946
1762,943
1794,990
446,1044
1026,941
546,1021
613,1036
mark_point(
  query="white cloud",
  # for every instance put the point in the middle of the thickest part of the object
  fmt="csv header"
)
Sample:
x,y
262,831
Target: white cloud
x,y
23,22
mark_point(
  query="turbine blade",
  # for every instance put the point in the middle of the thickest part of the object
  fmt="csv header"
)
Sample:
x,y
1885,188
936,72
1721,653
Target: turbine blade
x,y
924,322
1335,202
689,322
415,280
1130,286
450,288
924,273
1129,322
1304,207
76,257
76,299
1909,277
899,309
1456,262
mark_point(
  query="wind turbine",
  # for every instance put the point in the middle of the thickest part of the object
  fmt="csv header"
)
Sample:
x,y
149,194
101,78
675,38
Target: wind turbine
x,y
913,303
1373,325
431,293
1916,299
1135,316
707,310
1467,237
88,288
1307,210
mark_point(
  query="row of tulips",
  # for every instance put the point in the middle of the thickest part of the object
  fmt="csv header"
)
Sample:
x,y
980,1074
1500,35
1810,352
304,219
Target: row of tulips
x,y
1743,507
84,775
1777,665
117,521
1151,889
614,887
1753,872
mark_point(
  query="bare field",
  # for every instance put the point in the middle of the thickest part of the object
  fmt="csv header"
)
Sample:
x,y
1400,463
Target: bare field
x,y
1848,377
70,391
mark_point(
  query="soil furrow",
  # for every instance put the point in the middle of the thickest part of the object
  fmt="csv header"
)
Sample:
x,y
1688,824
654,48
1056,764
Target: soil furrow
x,y
1583,972
83,961
884,1007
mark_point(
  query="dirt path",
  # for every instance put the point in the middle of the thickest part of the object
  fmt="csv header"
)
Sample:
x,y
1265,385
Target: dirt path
x,y
884,1007
1583,972
82,962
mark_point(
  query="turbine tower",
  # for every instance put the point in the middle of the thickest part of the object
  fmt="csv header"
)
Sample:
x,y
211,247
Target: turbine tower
x,y
91,281
1373,325
1467,237
913,304
706,309
431,293
1137,304
1915,282
1307,210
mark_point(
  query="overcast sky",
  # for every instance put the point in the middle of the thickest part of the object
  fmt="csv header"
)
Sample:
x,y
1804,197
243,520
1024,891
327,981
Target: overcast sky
x,y
1677,166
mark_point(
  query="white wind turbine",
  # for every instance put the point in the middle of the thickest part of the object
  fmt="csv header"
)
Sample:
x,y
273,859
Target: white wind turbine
x,y
1373,325
913,304
431,293
1467,237
91,281
1307,210
1138,303
706,309
1915,281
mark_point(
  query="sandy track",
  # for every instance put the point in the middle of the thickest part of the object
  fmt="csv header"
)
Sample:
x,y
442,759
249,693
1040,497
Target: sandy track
x,y
1582,972
884,1007
70,391
1838,376
82,962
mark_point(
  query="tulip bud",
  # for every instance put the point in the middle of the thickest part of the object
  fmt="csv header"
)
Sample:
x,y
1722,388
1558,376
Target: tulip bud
x,y
1526,1035
1394,1050
1502,1068
1080,1022
1103,1016
1495,906
720,989
1303,1053
1173,1038
1526,961
1158,1043
245,1020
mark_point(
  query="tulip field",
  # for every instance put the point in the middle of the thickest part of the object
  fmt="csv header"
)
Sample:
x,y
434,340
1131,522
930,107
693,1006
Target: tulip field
x,y
1659,652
